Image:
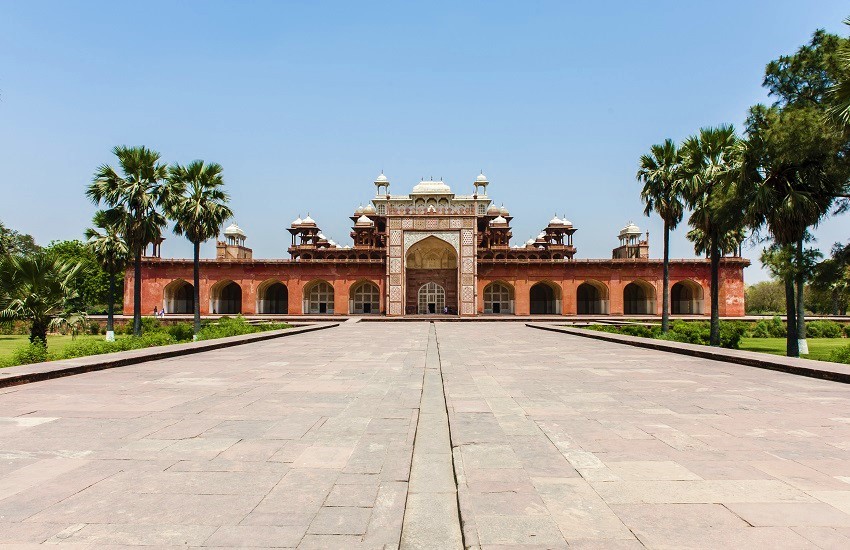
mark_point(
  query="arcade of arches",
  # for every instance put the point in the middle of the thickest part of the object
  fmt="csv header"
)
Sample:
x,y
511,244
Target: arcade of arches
x,y
435,250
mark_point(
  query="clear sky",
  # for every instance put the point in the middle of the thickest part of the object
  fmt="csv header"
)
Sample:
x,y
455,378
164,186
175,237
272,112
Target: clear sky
x,y
304,103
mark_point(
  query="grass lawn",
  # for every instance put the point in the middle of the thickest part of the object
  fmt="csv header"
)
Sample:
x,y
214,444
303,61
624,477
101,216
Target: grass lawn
x,y
9,343
819,348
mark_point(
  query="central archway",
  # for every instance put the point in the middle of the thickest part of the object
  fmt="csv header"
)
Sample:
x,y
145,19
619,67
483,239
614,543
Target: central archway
x,y
431,298
544,299
431,261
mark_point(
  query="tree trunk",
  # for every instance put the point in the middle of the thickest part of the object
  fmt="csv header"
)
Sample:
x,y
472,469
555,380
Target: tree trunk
x,y
715,293
792,348
137,294
665,300
38,331
110,307
196,291
801,309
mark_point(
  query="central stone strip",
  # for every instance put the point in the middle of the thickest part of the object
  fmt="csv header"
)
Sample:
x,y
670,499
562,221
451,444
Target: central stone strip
x,y
431,516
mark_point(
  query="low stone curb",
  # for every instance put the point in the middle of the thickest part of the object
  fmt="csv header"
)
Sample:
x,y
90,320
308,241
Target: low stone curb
x,y
825,370
37,372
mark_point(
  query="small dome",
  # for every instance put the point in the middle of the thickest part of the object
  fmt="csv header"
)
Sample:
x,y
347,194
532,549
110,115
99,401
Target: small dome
x,y
504,211
308,221
359,210
364,220
498,220
493,210
297,221
481,178
630,229
234,230
381,179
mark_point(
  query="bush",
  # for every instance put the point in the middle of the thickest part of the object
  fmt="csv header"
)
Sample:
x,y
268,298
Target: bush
x,y
33,352
773,328
181,332
227,326
823,329
841,355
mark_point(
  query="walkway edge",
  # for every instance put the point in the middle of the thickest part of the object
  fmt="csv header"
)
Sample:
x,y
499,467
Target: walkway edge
x,y
824,370
37,372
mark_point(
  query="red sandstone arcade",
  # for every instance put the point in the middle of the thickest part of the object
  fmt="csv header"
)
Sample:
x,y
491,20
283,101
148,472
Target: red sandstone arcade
x,y
434,252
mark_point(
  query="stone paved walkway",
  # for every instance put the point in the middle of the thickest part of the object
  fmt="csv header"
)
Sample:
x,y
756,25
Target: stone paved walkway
x,y
540,440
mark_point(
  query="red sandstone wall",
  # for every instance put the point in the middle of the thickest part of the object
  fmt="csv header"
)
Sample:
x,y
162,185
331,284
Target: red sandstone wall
x,y
566,277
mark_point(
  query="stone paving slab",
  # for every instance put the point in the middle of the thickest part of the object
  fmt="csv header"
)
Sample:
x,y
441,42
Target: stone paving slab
x,y
338,439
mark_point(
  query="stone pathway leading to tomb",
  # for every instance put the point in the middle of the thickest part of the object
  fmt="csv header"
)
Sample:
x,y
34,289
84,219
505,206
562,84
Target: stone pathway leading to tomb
x,y
375,435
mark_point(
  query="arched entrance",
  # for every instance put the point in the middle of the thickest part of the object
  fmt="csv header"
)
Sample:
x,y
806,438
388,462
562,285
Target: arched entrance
x,y
365,298
431,261
686,298
226,298
639,298
498,298
179,297
432,298
319,298
545,299
272,298
592,298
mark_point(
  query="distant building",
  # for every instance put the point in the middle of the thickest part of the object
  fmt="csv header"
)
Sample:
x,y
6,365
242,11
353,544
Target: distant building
x,y
434,252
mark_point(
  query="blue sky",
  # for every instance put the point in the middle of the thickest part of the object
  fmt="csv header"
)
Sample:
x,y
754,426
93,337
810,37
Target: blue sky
x,y
304,103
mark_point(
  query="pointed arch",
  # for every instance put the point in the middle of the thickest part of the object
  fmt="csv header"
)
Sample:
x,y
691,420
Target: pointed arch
x,y
226,298
272,297
545,298
364,298
178,297
639,298
319,297
499,298
592,298
686,298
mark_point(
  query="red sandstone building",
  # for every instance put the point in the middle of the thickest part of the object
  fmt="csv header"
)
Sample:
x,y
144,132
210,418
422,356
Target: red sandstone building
x,y
435,252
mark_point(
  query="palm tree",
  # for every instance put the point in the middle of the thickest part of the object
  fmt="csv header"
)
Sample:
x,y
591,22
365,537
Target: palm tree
x,y
660,173
199,211
709,161
840,92
111,252
143,192
35,288
793,172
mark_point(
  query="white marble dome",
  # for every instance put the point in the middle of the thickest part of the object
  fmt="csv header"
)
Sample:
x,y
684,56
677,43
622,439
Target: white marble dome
x,y
234,230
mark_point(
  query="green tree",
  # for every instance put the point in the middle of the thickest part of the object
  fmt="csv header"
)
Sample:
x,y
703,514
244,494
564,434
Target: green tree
x,y
199,210
662,193
35,288
144,193
765,297
109,248
14,242
710,162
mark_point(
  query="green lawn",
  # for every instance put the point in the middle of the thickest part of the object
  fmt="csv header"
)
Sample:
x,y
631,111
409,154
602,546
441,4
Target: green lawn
x,y
8,344
819,348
